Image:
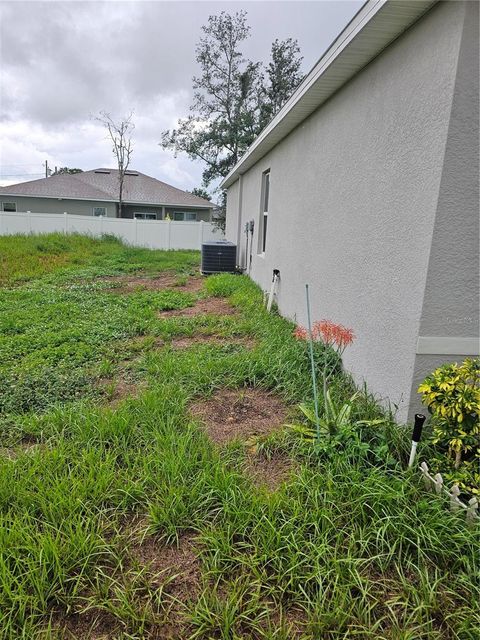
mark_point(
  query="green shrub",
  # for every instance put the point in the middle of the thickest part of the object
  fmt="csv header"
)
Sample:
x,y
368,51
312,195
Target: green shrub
x,y
452,395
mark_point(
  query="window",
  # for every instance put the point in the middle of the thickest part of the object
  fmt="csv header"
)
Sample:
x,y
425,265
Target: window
x,y
264,209
99,211
138,215
9,206
186,216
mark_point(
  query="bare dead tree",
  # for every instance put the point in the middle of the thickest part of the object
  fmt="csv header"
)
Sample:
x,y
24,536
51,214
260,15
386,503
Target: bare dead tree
x,y
120,135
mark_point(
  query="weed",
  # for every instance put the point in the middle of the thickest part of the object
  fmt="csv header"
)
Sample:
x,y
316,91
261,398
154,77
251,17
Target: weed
x,y
181,281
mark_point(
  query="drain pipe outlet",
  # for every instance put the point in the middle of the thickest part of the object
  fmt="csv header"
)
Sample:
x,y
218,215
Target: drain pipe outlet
x,y
275,279
416,436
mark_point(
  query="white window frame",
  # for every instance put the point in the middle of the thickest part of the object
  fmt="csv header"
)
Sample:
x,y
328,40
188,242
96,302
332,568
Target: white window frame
x,y
264,206
185,214
142,215
9,210
100,215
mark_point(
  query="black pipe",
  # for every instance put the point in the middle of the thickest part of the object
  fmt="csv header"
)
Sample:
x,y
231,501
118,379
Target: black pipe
x,y
417,427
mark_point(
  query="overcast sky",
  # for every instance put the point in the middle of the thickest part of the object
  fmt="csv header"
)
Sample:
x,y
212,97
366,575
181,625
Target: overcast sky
x,y
61,62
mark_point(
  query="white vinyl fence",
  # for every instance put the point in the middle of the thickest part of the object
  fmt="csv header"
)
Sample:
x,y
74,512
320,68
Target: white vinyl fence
x,y
153,234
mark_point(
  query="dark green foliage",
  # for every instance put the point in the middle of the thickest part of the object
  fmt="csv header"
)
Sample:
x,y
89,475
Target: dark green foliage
x,y
66,170
283,76
201,193
232,101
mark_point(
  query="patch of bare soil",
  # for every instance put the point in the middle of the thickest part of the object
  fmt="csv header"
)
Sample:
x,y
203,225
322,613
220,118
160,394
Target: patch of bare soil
x,y
28,445
129,284
239,414
94,624
293,622
176,564
117,390
173,569
205,306
189,341
128,350
176,569
193,285
269,473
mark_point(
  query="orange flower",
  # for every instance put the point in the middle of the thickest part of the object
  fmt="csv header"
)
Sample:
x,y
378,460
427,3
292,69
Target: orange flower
x,y
345,336
300,333
328,332
333,334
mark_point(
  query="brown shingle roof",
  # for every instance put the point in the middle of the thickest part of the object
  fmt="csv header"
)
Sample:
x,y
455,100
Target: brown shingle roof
x,y
102,184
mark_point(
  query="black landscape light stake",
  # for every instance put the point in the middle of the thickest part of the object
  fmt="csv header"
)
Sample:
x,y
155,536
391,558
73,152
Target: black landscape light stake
x,y
416,436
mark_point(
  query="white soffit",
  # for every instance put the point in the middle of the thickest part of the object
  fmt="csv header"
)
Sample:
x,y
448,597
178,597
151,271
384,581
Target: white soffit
x,y
375,26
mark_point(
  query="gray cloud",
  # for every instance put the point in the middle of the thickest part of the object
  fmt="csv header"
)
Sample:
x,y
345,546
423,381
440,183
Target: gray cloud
x,y
62,61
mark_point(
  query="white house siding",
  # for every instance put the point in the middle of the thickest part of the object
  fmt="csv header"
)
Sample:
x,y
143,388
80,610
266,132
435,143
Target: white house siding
x,y
202,214
55,205
353,200
129,210
85,207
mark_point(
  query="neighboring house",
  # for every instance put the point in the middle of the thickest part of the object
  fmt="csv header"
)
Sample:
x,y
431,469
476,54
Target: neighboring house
x,y
95,193
368,179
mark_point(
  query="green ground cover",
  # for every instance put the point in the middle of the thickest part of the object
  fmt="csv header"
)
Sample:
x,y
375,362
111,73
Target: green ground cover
x,y
120,518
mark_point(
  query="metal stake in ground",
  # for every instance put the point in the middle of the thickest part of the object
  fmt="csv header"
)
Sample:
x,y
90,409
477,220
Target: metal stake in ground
x,y
416,436
312,361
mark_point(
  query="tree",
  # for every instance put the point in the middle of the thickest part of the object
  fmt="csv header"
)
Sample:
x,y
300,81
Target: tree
x,y
227,99
200,192
233,100
120,135
219,217
65,170
283,76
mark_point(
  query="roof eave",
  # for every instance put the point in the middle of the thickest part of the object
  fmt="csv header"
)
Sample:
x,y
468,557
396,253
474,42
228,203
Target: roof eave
x,y
374,27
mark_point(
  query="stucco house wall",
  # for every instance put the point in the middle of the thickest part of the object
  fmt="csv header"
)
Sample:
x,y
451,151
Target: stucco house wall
x,y
55,205
361,208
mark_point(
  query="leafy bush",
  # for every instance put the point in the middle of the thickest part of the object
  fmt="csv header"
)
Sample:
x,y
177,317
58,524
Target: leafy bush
x,y
452,395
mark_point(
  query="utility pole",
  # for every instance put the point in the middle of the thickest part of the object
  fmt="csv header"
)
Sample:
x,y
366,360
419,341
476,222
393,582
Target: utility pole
x,y
47,170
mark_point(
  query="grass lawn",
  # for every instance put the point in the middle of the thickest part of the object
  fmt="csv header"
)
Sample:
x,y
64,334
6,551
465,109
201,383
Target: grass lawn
x,y
149,487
